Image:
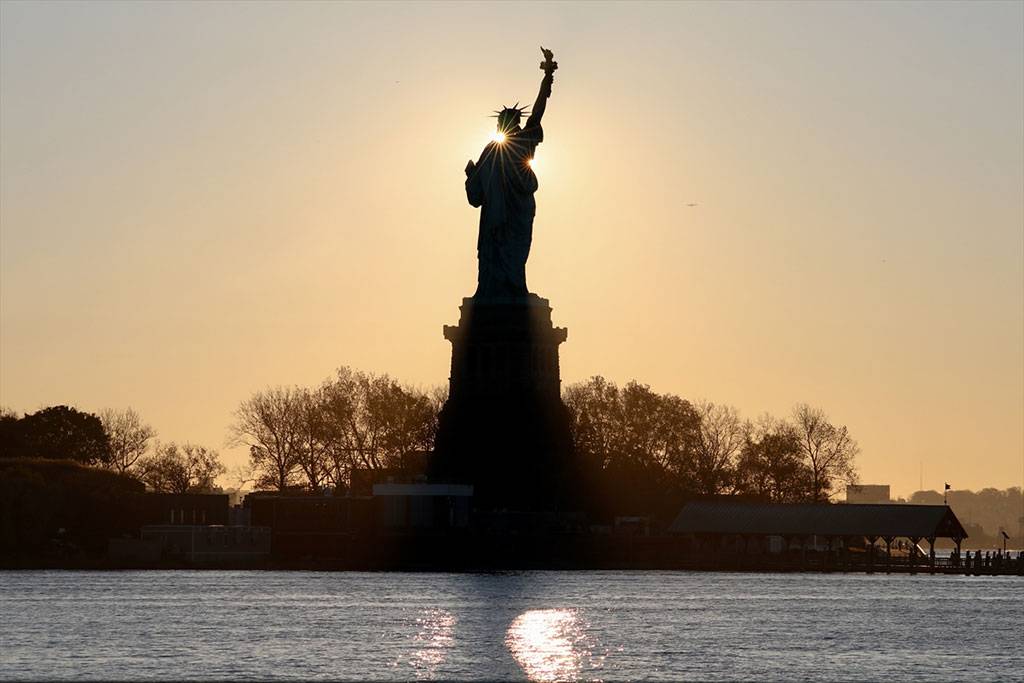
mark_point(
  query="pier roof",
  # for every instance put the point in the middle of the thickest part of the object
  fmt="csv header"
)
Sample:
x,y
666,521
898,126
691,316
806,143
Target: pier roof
x,y
766,519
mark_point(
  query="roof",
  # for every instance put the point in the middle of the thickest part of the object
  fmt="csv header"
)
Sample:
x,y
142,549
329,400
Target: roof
x,y
455,490
766,519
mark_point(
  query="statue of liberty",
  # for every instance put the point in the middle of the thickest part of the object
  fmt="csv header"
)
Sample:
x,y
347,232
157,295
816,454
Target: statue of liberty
x,y
504,428
502,183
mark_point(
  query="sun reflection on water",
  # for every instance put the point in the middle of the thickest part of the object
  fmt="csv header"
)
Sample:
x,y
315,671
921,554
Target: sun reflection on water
x,y
433,640
552,645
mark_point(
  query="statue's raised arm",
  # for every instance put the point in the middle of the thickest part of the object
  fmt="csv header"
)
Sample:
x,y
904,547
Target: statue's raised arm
x,y
548,66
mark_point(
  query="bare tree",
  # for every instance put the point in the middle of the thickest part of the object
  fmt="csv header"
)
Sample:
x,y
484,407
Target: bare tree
x,y
242,475
370,421
129,437
719,441
187,468
315,438
270,424
828,450
770,465
337,404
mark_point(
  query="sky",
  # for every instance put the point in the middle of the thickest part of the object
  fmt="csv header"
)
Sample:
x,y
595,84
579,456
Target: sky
x,y
201,200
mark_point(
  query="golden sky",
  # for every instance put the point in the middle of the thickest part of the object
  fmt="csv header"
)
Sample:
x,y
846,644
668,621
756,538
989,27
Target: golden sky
x,y
200,200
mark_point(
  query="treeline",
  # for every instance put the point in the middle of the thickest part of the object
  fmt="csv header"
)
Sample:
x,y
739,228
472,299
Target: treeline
x,y
637,449
313,438
640,446
631,441
119,441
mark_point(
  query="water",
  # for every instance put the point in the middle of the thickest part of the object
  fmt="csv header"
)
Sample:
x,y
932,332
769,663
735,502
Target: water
x,y
536,625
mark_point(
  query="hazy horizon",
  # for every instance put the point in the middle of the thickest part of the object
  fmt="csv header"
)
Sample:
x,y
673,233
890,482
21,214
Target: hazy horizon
x,y
198,201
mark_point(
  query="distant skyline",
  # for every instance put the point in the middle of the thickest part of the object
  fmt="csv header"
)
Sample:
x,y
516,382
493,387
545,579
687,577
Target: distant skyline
x,y
757,204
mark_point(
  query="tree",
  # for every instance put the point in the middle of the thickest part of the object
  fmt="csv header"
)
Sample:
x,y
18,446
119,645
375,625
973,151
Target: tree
x,y
658,431
635,446
367,426
720,439
373,421
315,437
187,468
633,428
828,451
12,443
128,436
770,465
337,404
410,421
596,413
270,424
58,432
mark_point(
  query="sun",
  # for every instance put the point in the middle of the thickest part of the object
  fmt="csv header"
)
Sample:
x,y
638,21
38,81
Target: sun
x,y
498,136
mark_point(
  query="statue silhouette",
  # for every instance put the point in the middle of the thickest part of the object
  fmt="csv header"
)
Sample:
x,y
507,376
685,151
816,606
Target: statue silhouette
x,y
504,428
502,183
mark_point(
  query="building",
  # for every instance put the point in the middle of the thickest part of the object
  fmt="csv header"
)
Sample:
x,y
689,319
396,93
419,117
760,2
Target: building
x,y
764,527
422,507
185,508
311,526
867,493
290,514
231,545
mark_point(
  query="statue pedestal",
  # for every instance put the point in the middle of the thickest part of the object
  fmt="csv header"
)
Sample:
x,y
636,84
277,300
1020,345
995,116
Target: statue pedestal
x,y
504,427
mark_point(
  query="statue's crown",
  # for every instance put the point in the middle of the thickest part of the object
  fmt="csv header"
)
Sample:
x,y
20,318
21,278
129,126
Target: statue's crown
x,y
515,112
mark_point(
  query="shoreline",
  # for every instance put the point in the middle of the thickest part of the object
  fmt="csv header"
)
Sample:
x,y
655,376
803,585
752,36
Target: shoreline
x,y
340,566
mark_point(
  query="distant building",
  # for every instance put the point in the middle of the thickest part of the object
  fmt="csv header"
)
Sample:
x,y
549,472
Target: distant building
x,y
867,493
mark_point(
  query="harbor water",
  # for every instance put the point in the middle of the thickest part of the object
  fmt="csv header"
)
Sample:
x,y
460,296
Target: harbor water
x,y
525,625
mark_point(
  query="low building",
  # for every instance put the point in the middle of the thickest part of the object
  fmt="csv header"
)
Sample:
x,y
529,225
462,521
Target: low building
x,y
421,507
411,470
867,493
185,508
309,526
322,514
134,551
231,545
633,525
743,526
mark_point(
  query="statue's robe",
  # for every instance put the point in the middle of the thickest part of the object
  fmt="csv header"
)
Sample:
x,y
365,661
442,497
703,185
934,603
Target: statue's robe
x,y
503,183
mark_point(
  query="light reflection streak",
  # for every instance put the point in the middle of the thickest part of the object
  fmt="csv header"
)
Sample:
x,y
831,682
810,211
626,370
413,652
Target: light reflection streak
x,y
433,640
552,644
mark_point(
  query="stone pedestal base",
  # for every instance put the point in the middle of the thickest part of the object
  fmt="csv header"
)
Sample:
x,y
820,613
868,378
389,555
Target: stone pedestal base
x,y
504,427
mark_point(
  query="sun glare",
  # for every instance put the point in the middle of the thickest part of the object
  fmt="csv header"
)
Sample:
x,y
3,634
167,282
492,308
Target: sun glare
x,y
498,136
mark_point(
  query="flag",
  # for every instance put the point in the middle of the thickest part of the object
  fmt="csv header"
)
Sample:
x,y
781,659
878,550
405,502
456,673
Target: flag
x,y
947,487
